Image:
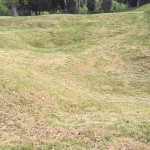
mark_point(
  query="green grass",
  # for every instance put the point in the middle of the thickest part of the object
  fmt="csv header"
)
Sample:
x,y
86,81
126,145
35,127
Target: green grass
x,y
144,8
75,82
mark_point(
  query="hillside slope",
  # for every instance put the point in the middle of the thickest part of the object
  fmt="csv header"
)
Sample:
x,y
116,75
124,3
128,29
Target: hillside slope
x,y
75,82
145,8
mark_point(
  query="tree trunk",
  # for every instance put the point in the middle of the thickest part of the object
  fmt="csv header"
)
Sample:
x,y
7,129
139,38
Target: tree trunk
x,y
128,3
36,12
30,10
65,2
78,6
14,9
138,3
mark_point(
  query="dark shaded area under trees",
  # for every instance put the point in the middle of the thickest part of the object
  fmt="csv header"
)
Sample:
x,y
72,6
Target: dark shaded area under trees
x,y
37,7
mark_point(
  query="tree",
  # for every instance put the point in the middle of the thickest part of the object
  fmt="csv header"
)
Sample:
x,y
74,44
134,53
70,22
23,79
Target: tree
x,y
83,3
142,2
65,5
71,6
13,6
138,3
91,5
4,11
106,5
134,3
38,6
24,7
79,6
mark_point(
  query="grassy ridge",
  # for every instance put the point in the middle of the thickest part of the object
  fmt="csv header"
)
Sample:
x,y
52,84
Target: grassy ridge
x,y
144,8
75,82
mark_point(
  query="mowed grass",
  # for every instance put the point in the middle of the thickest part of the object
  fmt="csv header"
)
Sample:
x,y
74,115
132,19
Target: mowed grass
x,y
75,82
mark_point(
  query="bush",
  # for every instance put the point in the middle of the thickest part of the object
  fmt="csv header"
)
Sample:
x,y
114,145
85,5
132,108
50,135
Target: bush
x,y
45,13
118,7
4,11
84,10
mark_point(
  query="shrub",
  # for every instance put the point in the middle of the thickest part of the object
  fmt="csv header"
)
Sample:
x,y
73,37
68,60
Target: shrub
x,y
118,7
45,13
4,11
84,10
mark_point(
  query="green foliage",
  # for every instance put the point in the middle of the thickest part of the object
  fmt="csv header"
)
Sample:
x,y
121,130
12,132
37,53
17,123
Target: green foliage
x,y
133,3
4,11
38,7
45,13
83,2
118,7
84,10
11,1
71,6
91,5
106,5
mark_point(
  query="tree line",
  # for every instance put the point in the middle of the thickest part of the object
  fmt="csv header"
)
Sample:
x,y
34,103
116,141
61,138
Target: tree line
x,y
37,7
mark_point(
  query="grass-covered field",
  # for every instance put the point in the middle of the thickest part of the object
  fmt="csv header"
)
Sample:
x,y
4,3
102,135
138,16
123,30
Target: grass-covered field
x,y
76,82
